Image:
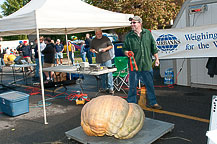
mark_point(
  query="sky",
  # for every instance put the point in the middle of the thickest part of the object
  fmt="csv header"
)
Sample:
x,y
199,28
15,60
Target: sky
x,y
1,2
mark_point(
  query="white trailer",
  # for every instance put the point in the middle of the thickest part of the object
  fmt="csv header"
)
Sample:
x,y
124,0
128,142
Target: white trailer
x,y
194,72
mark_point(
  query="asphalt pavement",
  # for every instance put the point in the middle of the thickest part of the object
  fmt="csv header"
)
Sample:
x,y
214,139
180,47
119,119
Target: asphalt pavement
x,y
188,108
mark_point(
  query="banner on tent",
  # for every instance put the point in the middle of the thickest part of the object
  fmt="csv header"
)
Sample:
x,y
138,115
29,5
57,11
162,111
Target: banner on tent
x,y
187,42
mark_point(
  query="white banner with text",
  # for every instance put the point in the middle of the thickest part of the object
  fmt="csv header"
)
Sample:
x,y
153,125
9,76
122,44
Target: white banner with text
x,y
191,42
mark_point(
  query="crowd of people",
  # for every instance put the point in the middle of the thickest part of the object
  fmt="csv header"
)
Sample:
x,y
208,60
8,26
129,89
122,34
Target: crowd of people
x,y
29,52
52,54
139,43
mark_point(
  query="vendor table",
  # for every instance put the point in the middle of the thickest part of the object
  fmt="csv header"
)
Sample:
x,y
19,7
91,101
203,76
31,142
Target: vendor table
x,y
73,69
13,66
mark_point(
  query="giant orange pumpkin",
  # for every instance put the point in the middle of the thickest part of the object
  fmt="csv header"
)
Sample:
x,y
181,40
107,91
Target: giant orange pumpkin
x,y
112,116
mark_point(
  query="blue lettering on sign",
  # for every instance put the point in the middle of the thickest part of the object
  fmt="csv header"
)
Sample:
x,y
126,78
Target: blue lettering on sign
x,y
201,36
167,43
189,47
215,43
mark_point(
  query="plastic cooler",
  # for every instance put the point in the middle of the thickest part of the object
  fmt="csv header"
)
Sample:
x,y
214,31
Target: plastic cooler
x,y
118,49
14,103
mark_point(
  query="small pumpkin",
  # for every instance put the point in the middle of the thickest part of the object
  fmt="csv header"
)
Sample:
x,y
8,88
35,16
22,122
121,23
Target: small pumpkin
x,y
112,116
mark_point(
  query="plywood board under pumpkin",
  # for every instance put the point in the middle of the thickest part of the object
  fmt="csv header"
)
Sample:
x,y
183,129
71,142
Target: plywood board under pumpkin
x,y
151,131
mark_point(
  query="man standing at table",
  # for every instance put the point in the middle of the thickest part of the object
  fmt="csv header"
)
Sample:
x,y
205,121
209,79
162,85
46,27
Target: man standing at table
x,y
49,58
101,46
140,43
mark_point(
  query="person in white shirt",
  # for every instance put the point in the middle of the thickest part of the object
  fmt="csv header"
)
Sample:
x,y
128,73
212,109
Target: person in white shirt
x,y
8,51
42,47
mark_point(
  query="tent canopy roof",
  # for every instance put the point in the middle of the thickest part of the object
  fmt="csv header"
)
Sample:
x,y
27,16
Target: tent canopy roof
x,y
54,17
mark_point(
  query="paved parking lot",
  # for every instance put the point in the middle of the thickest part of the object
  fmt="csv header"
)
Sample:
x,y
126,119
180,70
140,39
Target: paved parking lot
x,y
187,108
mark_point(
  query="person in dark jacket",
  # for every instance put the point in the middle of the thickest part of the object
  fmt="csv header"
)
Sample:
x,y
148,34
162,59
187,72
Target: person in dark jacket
x,y
26,53
87,48
49,58
19,47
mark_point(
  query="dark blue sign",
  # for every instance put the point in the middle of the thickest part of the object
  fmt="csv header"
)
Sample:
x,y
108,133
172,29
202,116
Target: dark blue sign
x,y
167,43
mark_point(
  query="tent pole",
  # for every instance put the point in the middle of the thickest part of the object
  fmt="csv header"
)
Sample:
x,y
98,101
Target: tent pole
x,y
41,77
67,46
68,51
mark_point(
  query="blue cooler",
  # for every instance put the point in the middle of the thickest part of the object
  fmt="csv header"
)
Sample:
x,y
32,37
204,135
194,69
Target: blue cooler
x,y
14,103
118,49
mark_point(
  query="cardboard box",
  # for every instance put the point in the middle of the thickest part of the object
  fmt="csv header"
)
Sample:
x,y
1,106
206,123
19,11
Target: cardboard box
x,y
14,103
59,76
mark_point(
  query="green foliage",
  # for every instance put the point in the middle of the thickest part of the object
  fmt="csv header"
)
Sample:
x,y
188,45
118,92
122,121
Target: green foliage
x,y
155,13
18,37
9,7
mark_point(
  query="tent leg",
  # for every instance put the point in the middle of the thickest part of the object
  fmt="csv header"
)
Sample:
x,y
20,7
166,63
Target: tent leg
x,y
67,46
68,51
41,78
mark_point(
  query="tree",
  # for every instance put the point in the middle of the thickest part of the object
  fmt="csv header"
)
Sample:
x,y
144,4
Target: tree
x,y
11,6
155,13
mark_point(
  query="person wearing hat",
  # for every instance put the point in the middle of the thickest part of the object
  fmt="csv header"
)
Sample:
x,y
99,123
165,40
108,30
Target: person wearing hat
x,y
19,47
26,53
59,52
140,45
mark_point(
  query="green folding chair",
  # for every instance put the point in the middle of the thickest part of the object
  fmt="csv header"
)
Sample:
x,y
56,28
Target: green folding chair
x,y
120,77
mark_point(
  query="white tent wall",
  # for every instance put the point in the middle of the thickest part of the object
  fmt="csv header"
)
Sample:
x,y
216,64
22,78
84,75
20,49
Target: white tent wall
x,y
194,72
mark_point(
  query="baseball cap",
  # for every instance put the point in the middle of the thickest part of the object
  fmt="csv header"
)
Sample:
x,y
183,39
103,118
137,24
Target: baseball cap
x,y
20,42
58,40
24,42
136,18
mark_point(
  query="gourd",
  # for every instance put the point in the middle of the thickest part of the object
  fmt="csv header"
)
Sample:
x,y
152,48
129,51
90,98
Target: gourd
x,y
112,116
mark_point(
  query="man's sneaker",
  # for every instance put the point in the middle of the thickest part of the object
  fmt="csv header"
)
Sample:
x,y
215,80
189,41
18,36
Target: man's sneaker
x,y
156,106
103,90
46,81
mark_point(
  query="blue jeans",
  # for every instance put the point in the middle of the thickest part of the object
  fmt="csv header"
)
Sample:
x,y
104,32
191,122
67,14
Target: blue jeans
x,y
89,55
83,56
37,65
107,79
71,56
147,78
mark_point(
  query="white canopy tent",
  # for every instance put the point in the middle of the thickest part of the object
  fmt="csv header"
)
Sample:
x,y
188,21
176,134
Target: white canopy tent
x,y
53,16
59,17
